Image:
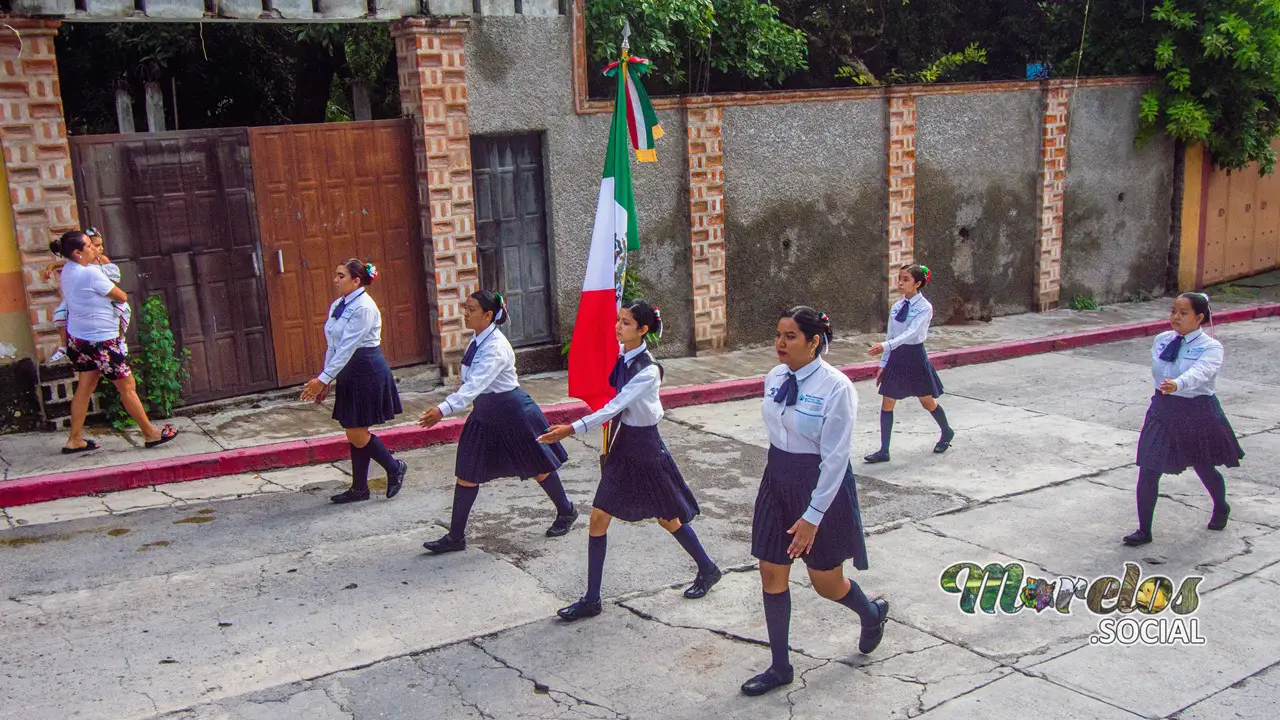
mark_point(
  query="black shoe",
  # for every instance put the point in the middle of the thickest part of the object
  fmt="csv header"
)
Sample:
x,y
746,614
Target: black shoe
x,y
879,456
395,480
1137,537
350,495
767,680
703,584
563,523
873,634
582,609
446,544
945,442
1219,519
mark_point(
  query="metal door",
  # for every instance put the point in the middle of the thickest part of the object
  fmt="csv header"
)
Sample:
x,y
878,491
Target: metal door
x,y
511,232
176,211
327,193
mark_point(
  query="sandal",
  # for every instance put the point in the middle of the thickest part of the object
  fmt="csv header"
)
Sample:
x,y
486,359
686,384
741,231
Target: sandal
x,y
88,445
167,433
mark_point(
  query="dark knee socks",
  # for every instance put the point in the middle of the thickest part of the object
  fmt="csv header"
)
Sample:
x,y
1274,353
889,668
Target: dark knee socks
x,y
463,498
555,490
381,455
1148,491
886,429
941,416
689,541
1216,485
777,617
359,468
857,601
596,546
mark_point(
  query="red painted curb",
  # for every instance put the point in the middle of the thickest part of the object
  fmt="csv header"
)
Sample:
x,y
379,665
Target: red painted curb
x,y
330,448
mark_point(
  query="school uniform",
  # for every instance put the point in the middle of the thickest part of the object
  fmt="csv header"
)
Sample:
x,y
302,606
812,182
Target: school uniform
x,y
809,422
1186,428
907,371
809,417
366,394
500,437
639,479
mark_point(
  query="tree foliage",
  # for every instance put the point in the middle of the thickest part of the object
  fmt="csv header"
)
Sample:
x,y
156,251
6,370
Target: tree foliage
x,y
1219,78
703,45
223,74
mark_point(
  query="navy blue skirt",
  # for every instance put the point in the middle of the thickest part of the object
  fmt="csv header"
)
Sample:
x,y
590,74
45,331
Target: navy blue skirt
x,y
640,479
1180,433
500,439
909,374
366,394
785,492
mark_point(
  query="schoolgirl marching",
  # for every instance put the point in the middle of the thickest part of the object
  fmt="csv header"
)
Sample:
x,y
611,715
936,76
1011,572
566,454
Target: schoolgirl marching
x,y
905,370
500,437
807,504
367,393
639,478
1185,426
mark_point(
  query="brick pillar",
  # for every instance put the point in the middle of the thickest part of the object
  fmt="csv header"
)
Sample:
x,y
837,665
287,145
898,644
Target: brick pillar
x,y
432,62
902,187
706,227
38,160
1053,170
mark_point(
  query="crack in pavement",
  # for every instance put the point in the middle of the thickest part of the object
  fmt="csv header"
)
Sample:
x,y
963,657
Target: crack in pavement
x,y
342,707
804,685
541,687
1237,685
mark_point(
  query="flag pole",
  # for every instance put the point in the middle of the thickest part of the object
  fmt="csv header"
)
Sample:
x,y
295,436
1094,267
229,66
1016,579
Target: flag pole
x,y
626,47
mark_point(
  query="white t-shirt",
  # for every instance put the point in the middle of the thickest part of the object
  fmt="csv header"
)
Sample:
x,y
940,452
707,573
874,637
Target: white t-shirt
x,y
90,315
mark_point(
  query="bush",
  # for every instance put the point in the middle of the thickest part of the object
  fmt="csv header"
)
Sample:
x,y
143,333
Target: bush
x,y
158,368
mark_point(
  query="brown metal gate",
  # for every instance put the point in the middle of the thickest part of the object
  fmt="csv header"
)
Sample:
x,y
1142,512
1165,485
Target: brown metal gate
x,y
1242,224
177,214
326,193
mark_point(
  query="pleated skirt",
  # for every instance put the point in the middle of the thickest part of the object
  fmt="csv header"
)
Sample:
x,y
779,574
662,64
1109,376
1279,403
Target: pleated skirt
x,y
500,439
640,479
909,374
784,495
366,394
1180,433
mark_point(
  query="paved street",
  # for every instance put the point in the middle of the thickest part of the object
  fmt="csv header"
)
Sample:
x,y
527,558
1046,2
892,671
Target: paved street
x,y
191,603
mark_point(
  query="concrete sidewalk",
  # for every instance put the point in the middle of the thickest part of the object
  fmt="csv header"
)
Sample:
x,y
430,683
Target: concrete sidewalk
x,y
286,433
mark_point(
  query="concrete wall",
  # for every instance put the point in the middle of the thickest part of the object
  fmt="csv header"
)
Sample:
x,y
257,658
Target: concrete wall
x,y
805,214
1116,223
977,184
518,80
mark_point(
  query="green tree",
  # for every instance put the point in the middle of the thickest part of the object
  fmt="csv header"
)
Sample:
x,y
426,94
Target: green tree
x,y
1219,64
698,44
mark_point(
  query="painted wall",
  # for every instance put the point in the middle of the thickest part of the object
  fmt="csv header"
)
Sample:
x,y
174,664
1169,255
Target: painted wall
x,y
19,408
805,201
1119,198
977,201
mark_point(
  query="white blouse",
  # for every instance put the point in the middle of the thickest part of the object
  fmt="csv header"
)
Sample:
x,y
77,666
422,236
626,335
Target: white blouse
x,y
492,370
359,326
913,331
1196,368
637,405
820,423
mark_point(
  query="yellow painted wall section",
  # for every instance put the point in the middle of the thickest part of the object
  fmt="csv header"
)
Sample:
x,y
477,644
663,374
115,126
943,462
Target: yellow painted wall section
x,y
15,323
1189,243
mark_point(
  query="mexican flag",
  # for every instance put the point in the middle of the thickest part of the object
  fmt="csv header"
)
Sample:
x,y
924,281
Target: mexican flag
x,y
595,346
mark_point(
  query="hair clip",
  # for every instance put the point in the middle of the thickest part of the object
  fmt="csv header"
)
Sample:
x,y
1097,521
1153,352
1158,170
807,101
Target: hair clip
x,y
92,232
373,271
